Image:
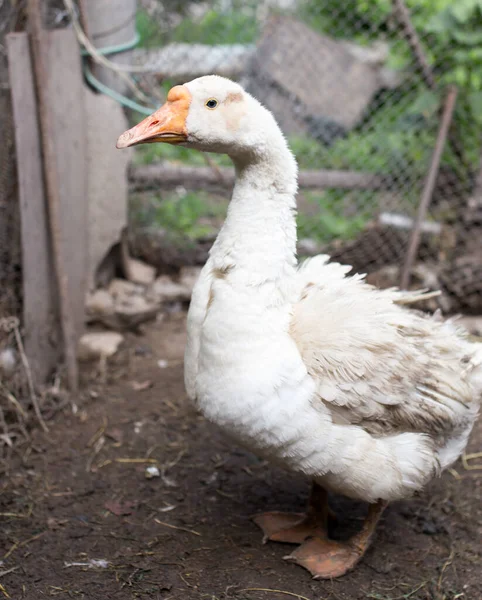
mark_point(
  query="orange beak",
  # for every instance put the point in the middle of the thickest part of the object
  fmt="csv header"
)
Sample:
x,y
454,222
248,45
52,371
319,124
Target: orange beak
x,y
167,124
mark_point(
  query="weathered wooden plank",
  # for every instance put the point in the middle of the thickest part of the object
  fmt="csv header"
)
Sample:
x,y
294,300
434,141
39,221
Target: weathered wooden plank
x,y
40,313
167,176
66,101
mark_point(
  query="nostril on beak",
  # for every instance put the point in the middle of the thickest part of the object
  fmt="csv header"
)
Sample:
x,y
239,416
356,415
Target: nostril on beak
x,y
154,123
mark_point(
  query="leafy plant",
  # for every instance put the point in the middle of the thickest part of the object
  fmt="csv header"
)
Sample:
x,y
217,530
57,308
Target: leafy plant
x,y
398,133
451,35
218,25
192,215
332,219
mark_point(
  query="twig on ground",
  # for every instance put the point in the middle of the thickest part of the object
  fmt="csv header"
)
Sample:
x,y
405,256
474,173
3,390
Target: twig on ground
x,y
18,545
446,564
406,596
136,460
13,515
473,456
7,571
176,527
292,594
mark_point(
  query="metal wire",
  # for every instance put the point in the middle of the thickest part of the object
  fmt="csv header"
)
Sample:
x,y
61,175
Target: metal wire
x,y
358,87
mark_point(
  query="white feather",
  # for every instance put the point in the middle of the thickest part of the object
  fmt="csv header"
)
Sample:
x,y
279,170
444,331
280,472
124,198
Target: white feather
x,y
309,367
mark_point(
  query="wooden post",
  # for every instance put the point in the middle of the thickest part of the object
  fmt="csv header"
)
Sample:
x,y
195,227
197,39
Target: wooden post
x,y
167,176
40,310
414,42
429,186
40,61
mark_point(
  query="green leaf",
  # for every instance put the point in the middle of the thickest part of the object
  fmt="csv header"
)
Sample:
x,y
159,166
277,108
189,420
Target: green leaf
x,y
441,23
475,102
468,38
463,10
426,104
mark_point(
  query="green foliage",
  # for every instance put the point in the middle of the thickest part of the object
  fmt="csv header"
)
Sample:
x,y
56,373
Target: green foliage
x,y
451,34
331,220
397,138
215,27
191,216
148,30
238,26
398,134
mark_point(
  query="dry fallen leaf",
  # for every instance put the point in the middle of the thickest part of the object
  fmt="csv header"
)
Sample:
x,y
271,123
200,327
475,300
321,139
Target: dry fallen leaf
x,y
119,508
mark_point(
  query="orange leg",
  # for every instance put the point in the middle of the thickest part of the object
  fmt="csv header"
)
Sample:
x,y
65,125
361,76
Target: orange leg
x,y
294,528
326,559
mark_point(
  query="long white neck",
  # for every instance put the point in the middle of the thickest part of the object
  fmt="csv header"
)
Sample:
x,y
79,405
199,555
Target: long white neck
x,y
258,239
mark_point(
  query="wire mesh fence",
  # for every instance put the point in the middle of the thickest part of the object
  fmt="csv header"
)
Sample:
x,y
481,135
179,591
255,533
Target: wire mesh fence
x,y
10,253
18,399
359,88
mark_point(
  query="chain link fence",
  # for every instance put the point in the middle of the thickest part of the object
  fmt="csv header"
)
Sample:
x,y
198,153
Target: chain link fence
x,y
359,88
17,395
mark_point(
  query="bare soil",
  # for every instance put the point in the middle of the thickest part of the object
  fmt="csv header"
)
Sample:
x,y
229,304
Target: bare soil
x,y
80,493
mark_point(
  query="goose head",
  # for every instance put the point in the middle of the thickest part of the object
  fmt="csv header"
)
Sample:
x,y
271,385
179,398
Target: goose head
x,y
211,114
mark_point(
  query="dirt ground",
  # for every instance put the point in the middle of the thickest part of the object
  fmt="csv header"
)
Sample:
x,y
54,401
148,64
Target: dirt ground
x,y
81,520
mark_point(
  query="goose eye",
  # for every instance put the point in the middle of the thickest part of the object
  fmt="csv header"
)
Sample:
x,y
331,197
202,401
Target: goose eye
x,y
211,103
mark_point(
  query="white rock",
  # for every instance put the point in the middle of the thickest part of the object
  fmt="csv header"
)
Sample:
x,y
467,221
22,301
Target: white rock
x,y
121,288
99,302
133,304
8,362
101,344
164,289
140,272
152,472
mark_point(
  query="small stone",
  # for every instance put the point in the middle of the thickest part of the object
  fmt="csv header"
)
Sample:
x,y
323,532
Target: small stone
x,y
99,302
152,472
8,362
120,288
164,289
133,305
102,344
429,527
140,386
142,351
140,272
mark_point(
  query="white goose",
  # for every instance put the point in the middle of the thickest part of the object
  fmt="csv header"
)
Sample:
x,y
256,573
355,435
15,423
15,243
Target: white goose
x,y
312,369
